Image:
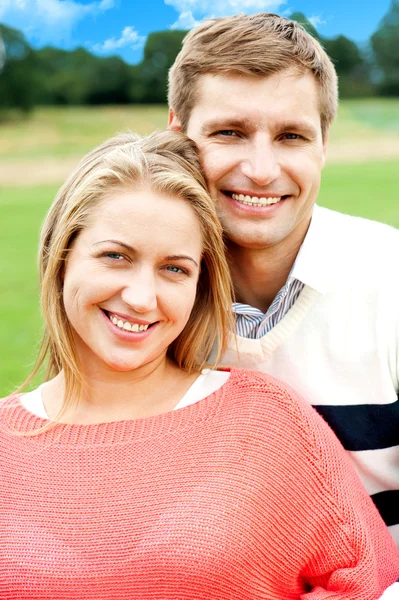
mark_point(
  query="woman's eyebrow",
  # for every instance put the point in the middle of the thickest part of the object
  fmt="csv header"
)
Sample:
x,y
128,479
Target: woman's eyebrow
x,y
180,257
132,250
118,242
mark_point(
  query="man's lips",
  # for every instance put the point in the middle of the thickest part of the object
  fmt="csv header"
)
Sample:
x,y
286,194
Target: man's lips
x,y
258,199
252,193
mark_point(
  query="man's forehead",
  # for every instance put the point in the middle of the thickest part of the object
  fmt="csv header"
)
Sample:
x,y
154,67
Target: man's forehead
x,y
233,99
217,82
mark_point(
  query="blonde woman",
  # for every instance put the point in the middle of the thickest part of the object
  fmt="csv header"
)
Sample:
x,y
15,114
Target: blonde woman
x,y
136,471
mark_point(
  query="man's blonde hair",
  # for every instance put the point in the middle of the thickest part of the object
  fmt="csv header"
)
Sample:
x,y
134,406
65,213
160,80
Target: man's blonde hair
x,y
259,45
167,163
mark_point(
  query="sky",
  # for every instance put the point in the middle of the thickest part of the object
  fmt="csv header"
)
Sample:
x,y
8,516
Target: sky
x,y
108,27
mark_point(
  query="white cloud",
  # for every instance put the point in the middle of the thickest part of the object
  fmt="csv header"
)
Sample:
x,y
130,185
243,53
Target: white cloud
x,y
129,38
190,11
49,20
316,20
106,4
185,21
287,12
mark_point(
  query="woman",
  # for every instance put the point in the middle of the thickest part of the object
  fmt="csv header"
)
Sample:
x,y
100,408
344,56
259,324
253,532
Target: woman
x,y
134,473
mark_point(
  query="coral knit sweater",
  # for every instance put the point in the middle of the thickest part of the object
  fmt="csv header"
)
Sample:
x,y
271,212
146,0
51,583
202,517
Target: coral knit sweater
x,y
245,495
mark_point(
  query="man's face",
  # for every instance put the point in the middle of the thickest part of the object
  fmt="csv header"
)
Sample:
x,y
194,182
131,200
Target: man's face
x,y
262,151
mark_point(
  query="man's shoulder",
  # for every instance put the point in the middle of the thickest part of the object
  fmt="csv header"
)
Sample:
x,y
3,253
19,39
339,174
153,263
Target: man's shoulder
x,y
358,244
357,228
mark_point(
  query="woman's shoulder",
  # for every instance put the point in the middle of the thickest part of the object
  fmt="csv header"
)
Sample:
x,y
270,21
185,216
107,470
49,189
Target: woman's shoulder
x,y
11,400
258,386
10,405
269,399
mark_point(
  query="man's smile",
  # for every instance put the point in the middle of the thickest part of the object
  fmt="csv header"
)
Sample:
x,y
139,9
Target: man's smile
x,y
255,200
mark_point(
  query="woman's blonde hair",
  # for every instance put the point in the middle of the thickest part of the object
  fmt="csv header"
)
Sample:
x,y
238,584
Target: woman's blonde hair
x,y
167,162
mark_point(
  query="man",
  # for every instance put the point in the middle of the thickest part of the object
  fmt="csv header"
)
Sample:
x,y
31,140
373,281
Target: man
x,y
317,294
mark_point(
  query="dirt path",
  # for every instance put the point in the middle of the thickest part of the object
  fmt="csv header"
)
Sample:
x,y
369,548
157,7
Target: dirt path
x,y
37,172
52,170
363,151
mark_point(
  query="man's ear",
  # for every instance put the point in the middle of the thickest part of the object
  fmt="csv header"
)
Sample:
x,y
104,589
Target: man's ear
x,y
173,121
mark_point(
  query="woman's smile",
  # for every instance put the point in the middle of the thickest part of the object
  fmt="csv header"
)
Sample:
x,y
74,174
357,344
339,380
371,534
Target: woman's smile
x,y
142,280
129,330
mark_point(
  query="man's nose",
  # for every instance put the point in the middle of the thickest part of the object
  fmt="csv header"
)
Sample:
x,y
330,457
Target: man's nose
x,y
261,163
141,293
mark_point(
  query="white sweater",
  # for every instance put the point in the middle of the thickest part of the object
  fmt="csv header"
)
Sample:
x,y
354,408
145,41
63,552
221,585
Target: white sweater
x,y
338,346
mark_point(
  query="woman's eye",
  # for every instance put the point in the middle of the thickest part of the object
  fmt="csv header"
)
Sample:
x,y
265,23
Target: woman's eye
x,y
174,269
113,255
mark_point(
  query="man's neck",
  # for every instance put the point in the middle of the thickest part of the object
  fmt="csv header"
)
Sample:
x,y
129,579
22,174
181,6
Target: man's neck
x,y
259,273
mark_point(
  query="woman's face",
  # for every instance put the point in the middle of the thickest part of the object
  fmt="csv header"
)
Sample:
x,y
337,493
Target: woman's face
x,y
131,278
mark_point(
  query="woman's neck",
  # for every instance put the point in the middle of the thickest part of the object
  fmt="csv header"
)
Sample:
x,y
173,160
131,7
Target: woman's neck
x,y
109,395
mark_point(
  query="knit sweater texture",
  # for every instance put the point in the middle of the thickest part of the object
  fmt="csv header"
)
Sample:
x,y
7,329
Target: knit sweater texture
x,y
338,346
246,494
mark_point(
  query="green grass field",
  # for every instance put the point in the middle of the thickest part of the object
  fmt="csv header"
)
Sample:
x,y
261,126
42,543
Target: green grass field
x,y
366,189
74,130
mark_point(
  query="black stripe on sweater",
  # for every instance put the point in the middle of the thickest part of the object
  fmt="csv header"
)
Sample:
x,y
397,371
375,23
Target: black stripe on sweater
x,y
388,506
363,426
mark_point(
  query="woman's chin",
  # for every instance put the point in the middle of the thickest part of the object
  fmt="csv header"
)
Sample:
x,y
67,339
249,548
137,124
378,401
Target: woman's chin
x,y
121,366
124,364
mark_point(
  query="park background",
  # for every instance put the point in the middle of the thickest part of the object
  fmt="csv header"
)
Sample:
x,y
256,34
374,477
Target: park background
x,y
60,99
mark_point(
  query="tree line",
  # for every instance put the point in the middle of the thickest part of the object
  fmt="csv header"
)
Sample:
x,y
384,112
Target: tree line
x,y
51,76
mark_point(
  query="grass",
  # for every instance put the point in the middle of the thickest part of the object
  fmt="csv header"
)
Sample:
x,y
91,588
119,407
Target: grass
x,y
22,213
373,114
366,119
61,132
364,189
367,190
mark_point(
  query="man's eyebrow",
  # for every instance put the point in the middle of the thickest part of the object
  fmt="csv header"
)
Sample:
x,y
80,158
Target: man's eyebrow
x,y
132,251
225,123
298,125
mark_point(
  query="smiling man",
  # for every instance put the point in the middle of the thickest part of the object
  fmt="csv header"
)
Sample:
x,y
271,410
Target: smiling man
x,y
316,290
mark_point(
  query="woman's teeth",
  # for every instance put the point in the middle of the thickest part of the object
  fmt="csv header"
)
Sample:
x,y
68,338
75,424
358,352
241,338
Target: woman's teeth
x,y
128,326
254,200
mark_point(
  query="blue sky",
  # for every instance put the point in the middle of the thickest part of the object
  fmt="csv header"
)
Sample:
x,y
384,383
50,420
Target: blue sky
x,y
121,26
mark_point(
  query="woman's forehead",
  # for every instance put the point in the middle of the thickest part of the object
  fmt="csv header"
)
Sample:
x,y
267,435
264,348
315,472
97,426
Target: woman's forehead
x,y
145,219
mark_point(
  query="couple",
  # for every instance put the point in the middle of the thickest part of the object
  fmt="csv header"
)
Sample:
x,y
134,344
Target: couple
x,y
139,470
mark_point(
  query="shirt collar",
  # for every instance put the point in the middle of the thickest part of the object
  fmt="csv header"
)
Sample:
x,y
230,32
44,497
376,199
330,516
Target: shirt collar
x,y
315,262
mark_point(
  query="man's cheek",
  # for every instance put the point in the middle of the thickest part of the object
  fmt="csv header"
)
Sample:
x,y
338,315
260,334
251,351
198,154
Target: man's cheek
x,y
214,165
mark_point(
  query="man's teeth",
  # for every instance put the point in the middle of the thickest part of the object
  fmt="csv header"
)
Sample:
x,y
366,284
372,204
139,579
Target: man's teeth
x,y
254,200
128,326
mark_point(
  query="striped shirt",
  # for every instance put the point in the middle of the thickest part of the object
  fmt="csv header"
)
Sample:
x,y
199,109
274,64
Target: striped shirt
x,y
252,323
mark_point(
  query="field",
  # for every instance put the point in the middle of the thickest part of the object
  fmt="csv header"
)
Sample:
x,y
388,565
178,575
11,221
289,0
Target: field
x,y
361,178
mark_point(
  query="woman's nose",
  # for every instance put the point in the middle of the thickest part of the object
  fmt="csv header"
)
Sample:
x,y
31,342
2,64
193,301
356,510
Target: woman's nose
x,y
140,295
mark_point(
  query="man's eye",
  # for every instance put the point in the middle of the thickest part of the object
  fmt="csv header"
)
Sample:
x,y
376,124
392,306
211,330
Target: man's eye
x,y
292,136
227,132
